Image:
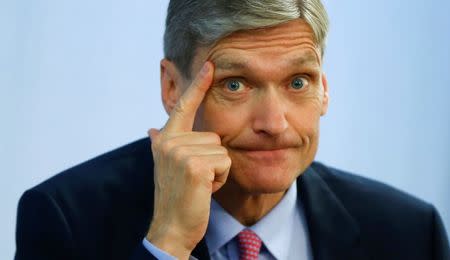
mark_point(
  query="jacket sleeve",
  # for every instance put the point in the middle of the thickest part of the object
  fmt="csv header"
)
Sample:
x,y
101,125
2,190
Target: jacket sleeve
x,y
42,231
147,251
441,248
141,253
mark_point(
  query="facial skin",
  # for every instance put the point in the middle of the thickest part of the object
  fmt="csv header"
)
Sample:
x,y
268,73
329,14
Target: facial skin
x,y
265,103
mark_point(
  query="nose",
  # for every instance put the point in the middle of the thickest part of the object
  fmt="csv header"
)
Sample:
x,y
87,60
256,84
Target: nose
x,y
270,114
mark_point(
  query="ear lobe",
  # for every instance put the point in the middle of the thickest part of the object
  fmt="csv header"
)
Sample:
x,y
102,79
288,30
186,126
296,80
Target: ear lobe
x,y
170,84
325,95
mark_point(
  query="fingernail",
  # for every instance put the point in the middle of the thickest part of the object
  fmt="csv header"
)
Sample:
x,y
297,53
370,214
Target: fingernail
x,y
205,69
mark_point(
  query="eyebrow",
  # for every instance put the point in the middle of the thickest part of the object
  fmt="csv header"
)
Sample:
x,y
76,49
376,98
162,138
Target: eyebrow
x,y
237,64
230,64
305,60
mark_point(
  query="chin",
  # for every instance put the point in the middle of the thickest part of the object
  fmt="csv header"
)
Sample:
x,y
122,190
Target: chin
x,y
258,180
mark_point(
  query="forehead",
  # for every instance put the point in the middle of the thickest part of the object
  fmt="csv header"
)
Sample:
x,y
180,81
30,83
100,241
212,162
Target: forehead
x,y
292,42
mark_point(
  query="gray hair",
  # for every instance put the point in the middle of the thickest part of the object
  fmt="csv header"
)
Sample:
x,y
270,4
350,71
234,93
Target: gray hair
x,y
191,24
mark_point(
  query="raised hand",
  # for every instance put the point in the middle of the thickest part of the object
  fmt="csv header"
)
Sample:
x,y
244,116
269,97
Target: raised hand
x,y
189,167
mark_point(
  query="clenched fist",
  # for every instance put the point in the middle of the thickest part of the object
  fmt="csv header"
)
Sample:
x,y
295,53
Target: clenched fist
x,y
189,167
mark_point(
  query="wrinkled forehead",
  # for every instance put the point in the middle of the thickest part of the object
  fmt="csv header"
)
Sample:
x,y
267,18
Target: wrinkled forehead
x,y
293,38
297,27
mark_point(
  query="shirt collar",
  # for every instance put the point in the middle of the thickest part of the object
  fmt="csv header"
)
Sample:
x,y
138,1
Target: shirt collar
x,y
274,229
222,227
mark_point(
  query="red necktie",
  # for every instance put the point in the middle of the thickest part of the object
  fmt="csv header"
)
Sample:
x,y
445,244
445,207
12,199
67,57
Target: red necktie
x,y
249,245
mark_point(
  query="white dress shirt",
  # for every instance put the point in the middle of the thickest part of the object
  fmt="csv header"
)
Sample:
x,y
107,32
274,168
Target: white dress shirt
x,y
283,232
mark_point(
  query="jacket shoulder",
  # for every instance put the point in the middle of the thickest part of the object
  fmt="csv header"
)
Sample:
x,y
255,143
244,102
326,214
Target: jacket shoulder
x,y
101,209
356,191
389,219
118,165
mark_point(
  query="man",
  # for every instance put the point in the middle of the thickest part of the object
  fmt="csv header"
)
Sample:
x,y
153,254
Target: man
x,y
231,175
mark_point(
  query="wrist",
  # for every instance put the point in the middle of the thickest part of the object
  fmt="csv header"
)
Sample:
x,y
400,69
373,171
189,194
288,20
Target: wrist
x,y
170,241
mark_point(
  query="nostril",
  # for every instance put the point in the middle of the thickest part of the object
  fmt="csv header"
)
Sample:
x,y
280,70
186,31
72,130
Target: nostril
x,y
271,123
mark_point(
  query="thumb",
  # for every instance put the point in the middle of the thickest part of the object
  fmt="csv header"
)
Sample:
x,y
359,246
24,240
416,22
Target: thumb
x,y
153,133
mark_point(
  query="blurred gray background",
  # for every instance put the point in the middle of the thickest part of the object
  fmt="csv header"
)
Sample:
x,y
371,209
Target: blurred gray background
x,y
79,78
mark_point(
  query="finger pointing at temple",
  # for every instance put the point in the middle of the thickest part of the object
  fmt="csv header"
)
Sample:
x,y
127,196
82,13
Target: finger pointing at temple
x,y
183,114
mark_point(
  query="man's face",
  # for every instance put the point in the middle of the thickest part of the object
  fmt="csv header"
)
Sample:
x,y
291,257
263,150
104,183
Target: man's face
x,y
265,103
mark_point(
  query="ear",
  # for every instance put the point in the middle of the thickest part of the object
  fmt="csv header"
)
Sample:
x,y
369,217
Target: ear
x,y
171,84
325,95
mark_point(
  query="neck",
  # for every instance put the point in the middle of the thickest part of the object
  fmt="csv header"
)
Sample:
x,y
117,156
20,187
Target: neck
x,y
247,208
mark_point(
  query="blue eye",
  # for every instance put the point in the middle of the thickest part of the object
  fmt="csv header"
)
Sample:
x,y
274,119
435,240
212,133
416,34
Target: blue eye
x,y
298,83
234,85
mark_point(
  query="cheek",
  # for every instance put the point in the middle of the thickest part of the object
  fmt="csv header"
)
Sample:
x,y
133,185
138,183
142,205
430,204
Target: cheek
x,y
305,121
221,117
304,115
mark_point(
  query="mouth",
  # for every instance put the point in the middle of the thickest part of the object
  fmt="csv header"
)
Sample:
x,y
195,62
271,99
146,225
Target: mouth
x,y
266,155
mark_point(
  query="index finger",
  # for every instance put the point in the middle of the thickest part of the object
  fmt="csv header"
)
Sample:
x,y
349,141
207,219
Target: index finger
x,y
183,114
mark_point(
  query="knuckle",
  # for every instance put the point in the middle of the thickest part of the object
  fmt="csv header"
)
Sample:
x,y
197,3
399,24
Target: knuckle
x,y
178,154
193,164
224,150
154,146
166,147
155,142
224,160
228,160
215,138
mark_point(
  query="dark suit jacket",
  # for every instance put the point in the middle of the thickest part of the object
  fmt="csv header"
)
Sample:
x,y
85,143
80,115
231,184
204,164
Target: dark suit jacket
x,y
102,209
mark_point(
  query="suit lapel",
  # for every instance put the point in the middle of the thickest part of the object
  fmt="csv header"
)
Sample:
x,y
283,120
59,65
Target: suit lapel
x,y
333,232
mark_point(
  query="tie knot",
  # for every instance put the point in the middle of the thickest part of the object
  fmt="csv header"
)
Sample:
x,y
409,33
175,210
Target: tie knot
x,y
249,245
